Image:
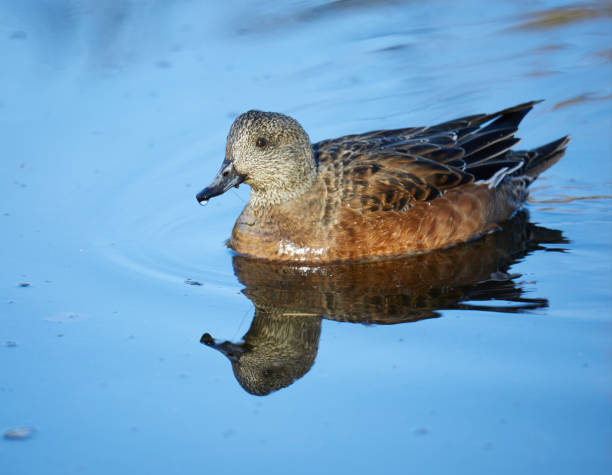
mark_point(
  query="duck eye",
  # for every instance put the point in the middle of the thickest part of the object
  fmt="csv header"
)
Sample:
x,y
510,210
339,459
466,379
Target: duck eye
x,y
261,142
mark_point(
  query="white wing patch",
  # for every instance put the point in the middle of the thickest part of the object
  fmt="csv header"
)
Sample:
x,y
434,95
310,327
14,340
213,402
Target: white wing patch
x,y
499,175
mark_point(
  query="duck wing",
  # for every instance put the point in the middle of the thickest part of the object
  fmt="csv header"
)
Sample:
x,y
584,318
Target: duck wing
x,y
391,168
370,181
441,142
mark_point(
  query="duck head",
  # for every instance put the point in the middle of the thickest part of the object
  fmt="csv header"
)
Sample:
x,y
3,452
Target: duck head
x,y
269,151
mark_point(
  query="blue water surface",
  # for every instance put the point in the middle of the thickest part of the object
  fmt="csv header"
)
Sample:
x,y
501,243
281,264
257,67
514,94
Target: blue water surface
x,y
114,114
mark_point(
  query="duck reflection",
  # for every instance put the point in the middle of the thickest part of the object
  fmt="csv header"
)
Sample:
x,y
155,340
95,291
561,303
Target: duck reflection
x,y
290,300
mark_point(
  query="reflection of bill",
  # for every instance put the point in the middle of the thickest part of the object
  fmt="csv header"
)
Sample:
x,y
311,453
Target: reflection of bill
x,y
290,300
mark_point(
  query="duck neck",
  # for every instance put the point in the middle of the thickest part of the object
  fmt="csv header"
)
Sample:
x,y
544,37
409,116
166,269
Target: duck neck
x,y
288,188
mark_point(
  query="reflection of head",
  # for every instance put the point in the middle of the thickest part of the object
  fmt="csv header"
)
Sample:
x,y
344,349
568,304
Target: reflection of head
x,y
276,351
290,300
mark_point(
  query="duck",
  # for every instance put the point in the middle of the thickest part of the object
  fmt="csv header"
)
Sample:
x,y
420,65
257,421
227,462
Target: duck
x,y
376,195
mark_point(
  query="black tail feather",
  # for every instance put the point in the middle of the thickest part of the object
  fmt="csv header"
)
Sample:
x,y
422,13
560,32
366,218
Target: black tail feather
x,y
496,150
542,158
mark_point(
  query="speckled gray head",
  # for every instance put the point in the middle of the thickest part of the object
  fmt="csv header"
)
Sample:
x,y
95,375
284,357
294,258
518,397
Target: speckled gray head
x,y
276,350
269,151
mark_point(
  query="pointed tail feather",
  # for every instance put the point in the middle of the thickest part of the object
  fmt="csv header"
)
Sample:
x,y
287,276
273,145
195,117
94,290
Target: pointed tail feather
x,y
542,158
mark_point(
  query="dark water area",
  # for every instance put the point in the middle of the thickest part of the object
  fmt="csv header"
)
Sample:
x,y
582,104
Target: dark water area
x,y
132,340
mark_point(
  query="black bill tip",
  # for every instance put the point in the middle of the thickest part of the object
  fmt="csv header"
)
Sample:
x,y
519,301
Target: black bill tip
x,y
225,179
233,351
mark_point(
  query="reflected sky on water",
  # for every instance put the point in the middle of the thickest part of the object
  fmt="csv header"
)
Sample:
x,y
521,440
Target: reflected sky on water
x,y
114,114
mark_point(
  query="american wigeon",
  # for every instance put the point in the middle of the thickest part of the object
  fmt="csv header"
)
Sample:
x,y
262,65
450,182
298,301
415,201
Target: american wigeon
x,y
379,194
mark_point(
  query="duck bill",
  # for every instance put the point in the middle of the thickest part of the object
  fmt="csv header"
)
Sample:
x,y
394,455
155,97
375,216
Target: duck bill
x,y
233,351
225,179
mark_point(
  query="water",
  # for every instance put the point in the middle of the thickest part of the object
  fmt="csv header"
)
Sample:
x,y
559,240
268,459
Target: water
x,y
114,114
